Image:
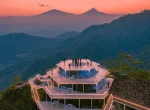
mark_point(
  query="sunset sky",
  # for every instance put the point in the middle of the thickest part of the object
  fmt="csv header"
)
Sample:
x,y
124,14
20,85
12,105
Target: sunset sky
x,y
33,7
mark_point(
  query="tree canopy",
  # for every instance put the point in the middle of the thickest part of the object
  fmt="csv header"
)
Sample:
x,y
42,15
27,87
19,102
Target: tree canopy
x,y
126,65
17,79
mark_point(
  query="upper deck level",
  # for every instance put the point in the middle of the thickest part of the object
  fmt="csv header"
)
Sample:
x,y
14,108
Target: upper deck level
x,y
87,73
78,69
59,79
77,65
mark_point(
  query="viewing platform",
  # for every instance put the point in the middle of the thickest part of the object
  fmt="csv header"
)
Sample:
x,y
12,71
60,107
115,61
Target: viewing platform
x,y
85,64
74,84
56,92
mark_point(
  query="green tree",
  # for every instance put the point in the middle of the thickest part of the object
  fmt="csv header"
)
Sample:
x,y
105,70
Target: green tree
x,y
126,65
17,79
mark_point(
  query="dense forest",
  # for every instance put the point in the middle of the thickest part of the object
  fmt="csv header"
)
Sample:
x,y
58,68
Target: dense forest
x,y
14,98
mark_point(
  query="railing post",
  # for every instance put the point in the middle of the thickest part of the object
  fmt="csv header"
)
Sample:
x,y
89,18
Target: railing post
x,y
83,88
65,103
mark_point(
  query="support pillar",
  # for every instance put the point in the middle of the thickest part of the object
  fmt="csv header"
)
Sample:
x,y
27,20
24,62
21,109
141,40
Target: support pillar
x,y
83,88
58,87
47,83
65,103
91,104
52,82
124,107
51,103
79,103
46,96
96,87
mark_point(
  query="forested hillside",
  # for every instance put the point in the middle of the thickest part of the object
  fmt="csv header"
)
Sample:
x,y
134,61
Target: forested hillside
x,y
14,98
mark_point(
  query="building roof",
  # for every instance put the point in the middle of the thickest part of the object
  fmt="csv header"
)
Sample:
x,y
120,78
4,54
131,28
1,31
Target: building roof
x,y
137,91
86,65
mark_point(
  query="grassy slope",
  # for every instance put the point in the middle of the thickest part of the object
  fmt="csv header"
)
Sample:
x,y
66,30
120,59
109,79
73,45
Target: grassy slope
x,y
17,99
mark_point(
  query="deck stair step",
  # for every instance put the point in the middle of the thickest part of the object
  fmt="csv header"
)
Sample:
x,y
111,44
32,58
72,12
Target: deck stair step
x,y
109,103
35,94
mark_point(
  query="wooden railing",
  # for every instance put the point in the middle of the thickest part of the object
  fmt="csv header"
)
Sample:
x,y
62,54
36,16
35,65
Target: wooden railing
x,y
130,104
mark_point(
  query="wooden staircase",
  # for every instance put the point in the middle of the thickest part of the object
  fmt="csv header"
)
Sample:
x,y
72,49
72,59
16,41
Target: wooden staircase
x,y
108,105
35,94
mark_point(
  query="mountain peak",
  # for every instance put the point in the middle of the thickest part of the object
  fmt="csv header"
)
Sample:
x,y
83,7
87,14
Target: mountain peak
x,y
93,11
55,12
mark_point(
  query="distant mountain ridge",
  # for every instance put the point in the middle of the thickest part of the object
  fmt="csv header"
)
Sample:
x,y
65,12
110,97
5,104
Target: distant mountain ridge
x,y
91,12
53,22
54,12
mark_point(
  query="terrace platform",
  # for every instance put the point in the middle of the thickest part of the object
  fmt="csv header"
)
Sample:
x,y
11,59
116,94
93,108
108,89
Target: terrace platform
x,y
63,80
78,84
61,94
45,105
84,65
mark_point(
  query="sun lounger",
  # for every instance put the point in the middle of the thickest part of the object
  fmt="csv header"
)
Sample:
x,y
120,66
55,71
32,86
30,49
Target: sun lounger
x,y
55,102
70,106
69,89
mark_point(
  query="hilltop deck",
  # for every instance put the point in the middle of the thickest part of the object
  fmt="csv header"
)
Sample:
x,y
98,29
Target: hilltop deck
x,y
86,65
53,92
63,80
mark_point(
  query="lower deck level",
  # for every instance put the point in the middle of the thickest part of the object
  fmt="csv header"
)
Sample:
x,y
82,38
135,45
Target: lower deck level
x,y
61,104
86,104
45,105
